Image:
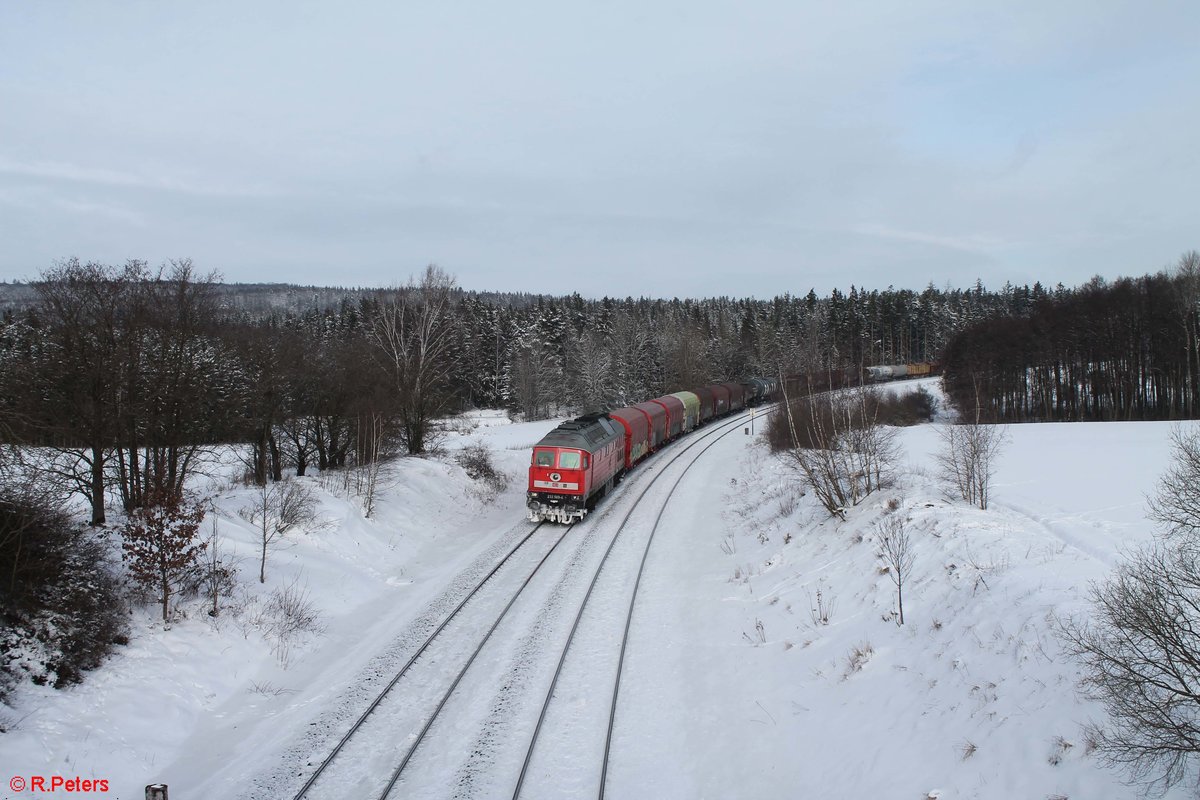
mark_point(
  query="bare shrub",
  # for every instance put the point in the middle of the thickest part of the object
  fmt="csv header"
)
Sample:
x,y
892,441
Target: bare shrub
x,y
982,569
476,460
902,410
858,657
788,503
873,405
1059,747
968,454
839,448
268,689
216,575
760,634
821,609
288,619
61,607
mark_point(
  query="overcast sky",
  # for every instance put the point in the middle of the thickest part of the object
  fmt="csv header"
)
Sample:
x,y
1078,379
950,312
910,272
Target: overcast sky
x,y
654,148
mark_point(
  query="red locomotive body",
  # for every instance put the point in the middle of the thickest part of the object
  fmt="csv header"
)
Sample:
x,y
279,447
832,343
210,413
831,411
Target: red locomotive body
x,y
573,466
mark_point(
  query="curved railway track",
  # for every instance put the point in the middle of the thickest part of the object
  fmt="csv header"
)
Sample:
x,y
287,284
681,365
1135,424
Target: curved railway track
x,y
716,434
390,731
322,771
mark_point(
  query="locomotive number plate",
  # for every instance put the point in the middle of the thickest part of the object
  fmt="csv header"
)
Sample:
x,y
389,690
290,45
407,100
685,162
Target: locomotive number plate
x,y
556,485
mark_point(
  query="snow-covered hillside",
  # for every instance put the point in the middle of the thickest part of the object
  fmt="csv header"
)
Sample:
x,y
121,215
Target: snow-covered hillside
x,y
734,686
971,698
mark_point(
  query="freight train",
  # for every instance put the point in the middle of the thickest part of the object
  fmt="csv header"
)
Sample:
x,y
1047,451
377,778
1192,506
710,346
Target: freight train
x,y
582,459
889,372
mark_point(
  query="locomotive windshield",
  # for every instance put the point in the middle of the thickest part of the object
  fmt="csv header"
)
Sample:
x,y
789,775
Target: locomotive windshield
x,y
543,458
568,460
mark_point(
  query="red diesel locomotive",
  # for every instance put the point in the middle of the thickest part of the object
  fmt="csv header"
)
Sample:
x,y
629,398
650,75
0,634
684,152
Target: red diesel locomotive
x,y
581,460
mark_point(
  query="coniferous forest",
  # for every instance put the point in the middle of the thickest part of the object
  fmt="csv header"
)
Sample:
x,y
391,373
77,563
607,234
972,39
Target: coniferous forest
x,y
128,371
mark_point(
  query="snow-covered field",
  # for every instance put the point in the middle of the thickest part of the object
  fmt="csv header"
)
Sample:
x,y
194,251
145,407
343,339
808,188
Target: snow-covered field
x,y
733,686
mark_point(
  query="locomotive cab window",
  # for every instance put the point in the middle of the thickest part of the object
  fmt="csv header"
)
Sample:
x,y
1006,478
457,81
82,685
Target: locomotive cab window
x,y
568,460
543,458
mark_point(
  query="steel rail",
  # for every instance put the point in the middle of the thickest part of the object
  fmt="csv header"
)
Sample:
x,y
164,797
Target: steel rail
x,y
732,424
446,697
312,779
612,712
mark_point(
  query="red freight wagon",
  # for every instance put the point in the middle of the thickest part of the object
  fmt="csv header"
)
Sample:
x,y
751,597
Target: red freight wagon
x,y
676,413
720,399
737,396
637,433
707,402
658,422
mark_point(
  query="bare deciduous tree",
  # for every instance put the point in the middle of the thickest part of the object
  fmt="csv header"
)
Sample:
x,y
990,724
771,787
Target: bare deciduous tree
x,y
1140,651
1186,279
592,362
413,333
83,308
967,459
1176,503
275,509
371,435
968,456
217,576
896,551
1140,655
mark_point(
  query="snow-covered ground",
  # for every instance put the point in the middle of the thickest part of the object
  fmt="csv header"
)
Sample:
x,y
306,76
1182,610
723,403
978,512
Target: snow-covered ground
x,y
733,687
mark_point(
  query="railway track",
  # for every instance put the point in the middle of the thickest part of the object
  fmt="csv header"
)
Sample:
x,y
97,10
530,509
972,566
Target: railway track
x,y
613,613
330,781
378,752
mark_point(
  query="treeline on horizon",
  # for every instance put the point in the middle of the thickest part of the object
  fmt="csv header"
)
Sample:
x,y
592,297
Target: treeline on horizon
x,y
1125,350
128,372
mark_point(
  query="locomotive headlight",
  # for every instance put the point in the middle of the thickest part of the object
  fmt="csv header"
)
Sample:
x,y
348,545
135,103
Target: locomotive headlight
x,y
554,476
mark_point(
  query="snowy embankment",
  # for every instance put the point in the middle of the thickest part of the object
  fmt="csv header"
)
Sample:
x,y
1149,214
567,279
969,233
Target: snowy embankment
x,y
764,658
208,703
786,674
